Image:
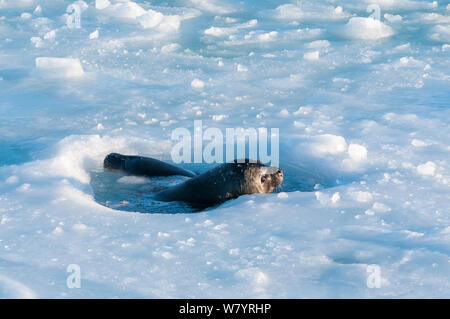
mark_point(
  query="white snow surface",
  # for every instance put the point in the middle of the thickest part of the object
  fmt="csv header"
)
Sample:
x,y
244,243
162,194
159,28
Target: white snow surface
x,y
363,111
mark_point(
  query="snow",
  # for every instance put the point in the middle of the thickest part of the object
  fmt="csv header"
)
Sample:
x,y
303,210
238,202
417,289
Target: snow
x,y
102,4
6,4
94,35
150,19
428,168
15,289
357,152
197,84
440,33
130,10
25,15
393,18
308,11
366,29
37,10
59,67
213,6
312,56
328,144
403,4
362,107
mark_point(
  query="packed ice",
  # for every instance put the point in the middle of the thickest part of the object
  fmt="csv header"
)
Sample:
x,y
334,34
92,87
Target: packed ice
x,y
359,91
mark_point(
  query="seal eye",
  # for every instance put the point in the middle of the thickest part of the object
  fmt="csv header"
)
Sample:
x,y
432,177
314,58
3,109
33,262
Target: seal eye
x,y
263,178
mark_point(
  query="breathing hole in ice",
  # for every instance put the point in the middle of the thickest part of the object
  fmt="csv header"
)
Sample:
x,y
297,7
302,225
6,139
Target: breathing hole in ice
x,y
135,193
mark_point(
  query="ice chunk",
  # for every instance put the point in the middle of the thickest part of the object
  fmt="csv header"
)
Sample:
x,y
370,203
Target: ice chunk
x,y
227,31
215,6
403,4
79,227
150,19
269,36
366,29
129,10
37,41
380,207
5,4
133,180
25,16
12,180
11,288
219,117
24,187
288,12
197,84
440,33
241,68
50,35
361,196
219,32
37,10
59,67
171,47
335,198
318,44
357,152
284,113
102,4
393,18
57,231
434,18
325,199
170,23
328,144
311,56
282,195
427,169
93,35
311,11
418,143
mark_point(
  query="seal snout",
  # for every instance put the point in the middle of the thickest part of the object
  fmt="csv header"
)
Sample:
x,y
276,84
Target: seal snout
x,y
271,178
278,178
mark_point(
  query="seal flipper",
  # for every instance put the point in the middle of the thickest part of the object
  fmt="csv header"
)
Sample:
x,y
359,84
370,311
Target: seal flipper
x,y
139,165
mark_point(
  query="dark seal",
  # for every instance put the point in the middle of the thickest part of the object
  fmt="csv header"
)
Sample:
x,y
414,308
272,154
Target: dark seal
x,y
224,182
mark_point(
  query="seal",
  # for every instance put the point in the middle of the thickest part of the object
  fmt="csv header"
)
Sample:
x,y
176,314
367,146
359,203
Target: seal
x,y
221,183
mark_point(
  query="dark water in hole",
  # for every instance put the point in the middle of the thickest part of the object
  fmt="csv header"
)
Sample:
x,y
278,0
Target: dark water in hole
x,y
135,193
